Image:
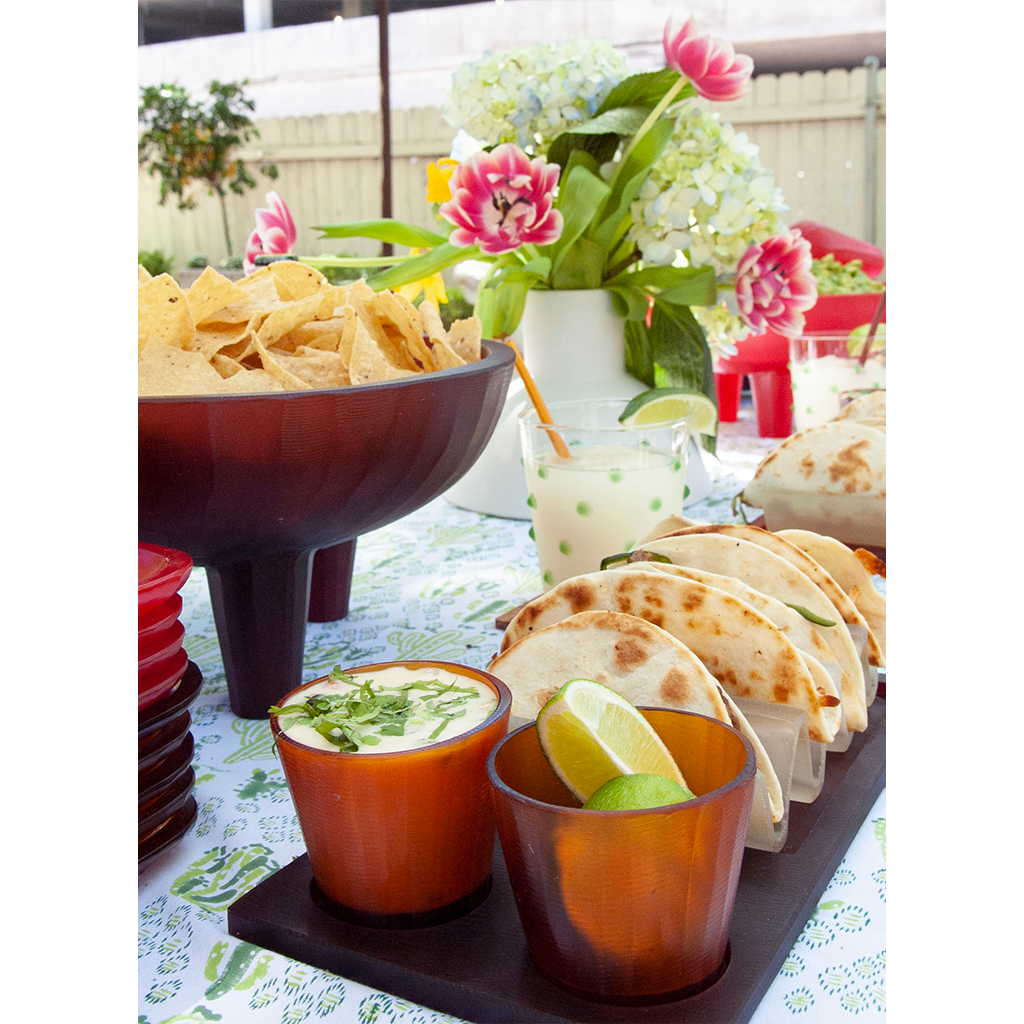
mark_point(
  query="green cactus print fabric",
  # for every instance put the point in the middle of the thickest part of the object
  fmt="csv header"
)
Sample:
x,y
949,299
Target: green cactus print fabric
x,y
428,586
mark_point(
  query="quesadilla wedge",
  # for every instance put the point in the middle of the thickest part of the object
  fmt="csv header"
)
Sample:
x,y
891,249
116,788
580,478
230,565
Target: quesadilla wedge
x,y
637,659
773,575
816,653
742,649
796,555
849,571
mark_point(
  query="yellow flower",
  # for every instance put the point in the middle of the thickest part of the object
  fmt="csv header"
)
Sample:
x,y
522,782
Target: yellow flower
x,y
437,180
432,287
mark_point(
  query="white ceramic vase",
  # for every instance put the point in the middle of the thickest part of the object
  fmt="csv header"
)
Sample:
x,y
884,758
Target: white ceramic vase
x,y
572,343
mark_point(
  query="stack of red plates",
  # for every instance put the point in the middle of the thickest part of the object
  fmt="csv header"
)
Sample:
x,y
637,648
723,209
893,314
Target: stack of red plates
x,y
168,683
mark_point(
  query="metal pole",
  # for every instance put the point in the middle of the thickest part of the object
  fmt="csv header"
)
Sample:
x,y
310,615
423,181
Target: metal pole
x,y
383,9
870,134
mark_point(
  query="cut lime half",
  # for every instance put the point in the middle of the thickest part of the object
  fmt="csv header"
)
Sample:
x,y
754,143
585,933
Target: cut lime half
x,y
670,405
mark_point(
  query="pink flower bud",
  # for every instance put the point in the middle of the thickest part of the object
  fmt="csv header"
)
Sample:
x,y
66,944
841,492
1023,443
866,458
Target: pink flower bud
x,y
716,70
275,232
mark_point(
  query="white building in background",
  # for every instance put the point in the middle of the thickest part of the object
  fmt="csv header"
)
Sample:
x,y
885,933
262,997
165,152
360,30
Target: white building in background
x,y
332,67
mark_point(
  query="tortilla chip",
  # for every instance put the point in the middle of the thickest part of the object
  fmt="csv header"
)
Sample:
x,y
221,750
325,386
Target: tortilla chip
x,y
286,318
376,315
212,338
168,370
225,365
332,298
464,338
322,334
368,364
274,367
261,300
317,367
296,280
251,382
144,275
211,291
433,347
164,314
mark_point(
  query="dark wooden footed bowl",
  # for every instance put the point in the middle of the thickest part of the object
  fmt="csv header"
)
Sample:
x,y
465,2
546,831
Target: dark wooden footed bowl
x,y
254,486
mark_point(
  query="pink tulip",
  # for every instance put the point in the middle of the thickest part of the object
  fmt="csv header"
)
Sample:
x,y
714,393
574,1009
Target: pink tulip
x,y
774,284
716,70
274,233
502,200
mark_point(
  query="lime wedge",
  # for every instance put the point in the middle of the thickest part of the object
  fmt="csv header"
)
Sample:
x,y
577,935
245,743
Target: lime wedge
x,y
669,405
633,792
590,734
859,335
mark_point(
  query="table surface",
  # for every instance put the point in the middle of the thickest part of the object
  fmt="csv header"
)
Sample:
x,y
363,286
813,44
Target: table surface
x,y
428,586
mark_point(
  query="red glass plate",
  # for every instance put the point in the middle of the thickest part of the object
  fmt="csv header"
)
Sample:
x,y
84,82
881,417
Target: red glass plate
x,y
159,617
162,573
161,646
161,679
179,697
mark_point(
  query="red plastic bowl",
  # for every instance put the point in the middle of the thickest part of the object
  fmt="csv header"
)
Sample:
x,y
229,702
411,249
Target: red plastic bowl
x,y
160,679
162,573
160,647
159,617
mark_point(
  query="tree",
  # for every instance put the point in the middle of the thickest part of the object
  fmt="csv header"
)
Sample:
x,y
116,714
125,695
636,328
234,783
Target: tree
x,y
187,142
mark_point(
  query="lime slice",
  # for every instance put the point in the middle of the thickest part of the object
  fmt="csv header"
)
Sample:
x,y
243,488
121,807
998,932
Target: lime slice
x,y
669,405
590,734
859,335
634,792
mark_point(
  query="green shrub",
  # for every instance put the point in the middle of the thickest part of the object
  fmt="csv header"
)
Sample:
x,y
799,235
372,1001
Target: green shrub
x,y
156,262
198,262
231,263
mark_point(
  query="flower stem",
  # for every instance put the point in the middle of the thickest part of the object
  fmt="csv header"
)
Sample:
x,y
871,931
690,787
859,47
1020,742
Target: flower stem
x,y
652,117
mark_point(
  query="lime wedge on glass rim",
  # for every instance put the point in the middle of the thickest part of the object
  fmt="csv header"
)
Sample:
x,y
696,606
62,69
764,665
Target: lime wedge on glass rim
x,y
669,405
859,335
590,734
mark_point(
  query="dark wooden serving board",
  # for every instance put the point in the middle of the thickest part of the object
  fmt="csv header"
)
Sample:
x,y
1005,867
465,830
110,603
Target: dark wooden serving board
x,y
478,968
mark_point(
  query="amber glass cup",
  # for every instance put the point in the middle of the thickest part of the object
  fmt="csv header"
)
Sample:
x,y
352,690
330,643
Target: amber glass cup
x,y
399,839
627,906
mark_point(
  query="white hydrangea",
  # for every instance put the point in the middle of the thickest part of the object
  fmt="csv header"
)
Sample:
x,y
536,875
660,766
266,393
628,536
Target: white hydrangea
x,y
707,200
530,95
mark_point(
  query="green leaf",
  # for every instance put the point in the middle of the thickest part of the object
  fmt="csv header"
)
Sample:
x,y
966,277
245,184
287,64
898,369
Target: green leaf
x,y
672,352
580,267
393,231
580,199
599,136
682,286
507,307
644,89
444,256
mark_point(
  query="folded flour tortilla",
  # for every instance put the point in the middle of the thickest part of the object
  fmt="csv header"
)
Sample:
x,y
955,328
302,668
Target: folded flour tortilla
x,y
816,653
769,573
849,572
637,659
742,649
809,566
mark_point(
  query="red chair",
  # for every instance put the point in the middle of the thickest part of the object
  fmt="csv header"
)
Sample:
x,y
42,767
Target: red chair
x,y
764,358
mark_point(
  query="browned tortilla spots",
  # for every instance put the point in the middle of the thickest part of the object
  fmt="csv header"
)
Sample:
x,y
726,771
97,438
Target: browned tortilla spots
x,y
807,466
692,600
580,595
850,467
629,654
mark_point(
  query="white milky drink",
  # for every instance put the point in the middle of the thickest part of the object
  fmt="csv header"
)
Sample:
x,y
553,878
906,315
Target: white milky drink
x,y
599,502
821,368
405,708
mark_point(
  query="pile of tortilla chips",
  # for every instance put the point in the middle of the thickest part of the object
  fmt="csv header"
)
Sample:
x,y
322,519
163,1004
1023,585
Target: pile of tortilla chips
x,y
286,328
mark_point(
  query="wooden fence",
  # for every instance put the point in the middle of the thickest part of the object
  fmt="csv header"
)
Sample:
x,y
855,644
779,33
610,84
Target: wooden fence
x,y
811,128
